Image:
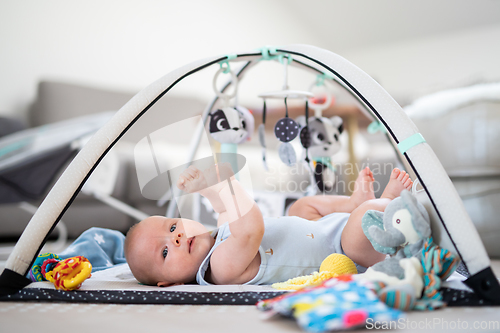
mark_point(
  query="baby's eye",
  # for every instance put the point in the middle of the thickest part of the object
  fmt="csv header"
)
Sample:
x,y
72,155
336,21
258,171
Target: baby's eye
x,y
172,228
165,252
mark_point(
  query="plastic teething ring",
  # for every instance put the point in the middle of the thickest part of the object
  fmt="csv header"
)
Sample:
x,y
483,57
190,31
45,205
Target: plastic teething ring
x,y
70,273
234,80
325,104
46,263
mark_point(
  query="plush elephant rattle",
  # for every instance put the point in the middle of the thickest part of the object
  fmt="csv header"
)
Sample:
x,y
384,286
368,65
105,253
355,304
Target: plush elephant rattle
x,y
401,231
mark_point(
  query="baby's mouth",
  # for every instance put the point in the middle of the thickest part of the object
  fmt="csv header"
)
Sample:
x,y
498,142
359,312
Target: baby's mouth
x,y
190,243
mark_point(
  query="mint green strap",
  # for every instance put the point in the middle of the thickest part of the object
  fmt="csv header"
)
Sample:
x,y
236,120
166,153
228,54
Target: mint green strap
x,y
410,142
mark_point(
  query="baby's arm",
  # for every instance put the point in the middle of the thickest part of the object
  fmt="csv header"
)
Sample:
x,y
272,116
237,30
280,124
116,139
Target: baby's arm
x,y
234,261
230,262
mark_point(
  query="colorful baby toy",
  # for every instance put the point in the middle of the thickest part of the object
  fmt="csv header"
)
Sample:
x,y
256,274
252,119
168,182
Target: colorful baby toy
x,y
67,274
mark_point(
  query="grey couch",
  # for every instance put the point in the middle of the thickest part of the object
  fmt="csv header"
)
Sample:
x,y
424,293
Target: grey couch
x,y
57,101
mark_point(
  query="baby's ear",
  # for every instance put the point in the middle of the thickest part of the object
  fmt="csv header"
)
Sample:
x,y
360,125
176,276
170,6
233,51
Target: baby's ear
x,y
168,284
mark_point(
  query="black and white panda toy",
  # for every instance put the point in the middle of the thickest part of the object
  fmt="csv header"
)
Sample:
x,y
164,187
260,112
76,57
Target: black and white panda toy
x,y
231,125
321,137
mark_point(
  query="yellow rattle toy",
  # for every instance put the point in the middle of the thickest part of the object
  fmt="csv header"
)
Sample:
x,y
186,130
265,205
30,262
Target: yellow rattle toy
x,y
70,273
334,265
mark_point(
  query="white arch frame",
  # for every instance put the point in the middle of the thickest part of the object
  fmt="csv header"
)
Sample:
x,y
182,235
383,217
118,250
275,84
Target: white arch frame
x,y
455,223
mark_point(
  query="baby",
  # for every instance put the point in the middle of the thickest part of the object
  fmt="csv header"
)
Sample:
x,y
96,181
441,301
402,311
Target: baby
x,y
247,248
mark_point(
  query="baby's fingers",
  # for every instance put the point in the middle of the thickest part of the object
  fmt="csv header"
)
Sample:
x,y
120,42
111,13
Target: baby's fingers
x,y
181,183
193,172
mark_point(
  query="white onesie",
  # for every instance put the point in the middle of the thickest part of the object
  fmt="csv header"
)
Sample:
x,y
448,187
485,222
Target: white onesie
x,y
291,247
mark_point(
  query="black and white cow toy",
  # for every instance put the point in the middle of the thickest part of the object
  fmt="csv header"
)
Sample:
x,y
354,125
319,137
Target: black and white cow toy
x,y
321,137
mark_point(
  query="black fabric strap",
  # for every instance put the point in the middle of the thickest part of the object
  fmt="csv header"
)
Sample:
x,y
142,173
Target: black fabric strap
x,y
11,282
486,286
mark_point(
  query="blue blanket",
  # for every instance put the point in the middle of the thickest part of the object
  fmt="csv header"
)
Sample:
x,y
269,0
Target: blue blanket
x,y
102,247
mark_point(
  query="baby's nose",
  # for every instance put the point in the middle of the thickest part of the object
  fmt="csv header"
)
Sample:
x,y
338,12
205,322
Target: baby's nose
x,y
177,238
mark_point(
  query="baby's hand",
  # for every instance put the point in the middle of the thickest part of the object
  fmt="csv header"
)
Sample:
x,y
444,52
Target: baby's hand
x,y
215,177
192,180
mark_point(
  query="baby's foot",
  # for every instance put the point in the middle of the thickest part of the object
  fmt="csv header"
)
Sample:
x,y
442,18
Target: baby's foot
x,y
399,181
192,180
363,187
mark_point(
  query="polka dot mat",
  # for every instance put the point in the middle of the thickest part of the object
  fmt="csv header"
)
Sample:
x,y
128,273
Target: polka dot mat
x,y
141,297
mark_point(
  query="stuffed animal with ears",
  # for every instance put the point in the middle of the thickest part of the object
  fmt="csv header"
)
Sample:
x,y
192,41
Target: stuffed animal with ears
x,y
400,231
231,126
320,136
416,265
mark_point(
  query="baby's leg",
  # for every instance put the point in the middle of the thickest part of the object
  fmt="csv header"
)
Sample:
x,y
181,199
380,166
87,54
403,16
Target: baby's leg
x,y
354,242
315,207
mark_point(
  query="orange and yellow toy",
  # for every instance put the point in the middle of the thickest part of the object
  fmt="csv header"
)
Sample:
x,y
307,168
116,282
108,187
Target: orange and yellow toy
x,y
70,273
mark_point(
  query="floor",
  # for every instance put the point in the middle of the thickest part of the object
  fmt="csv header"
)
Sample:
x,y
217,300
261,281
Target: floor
x,y
24,317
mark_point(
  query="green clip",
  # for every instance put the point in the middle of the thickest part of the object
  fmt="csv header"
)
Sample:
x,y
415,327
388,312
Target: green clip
x,y
410,142
268,52
282,56
320,78
226,69
375,127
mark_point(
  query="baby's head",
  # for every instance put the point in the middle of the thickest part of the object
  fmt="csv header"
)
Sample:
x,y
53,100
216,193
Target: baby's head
x,y
165,251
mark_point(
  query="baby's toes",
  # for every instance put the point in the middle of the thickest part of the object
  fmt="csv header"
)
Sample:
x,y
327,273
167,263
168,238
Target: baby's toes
x,y
395,173
408,184
401,176
405,178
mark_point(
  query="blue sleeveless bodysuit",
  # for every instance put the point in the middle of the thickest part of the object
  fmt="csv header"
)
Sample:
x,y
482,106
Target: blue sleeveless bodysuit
x,y
291,247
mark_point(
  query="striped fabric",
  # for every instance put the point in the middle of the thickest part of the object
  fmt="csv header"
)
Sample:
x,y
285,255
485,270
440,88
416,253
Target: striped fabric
x,y
438,264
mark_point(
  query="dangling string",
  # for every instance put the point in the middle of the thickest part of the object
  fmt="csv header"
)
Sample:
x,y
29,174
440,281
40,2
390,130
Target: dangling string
x,y
264,113
286,109
307,124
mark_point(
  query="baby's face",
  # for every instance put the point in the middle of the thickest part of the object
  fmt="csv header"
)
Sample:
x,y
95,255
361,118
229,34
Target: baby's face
x,y
170,251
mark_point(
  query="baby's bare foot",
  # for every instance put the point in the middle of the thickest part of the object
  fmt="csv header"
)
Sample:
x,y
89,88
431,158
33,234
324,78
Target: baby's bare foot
x,y
363,187
399,181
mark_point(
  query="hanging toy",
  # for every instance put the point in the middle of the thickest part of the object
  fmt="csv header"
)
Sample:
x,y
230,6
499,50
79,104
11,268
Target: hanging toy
x,y
321,138
67,274
286,129
230,125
